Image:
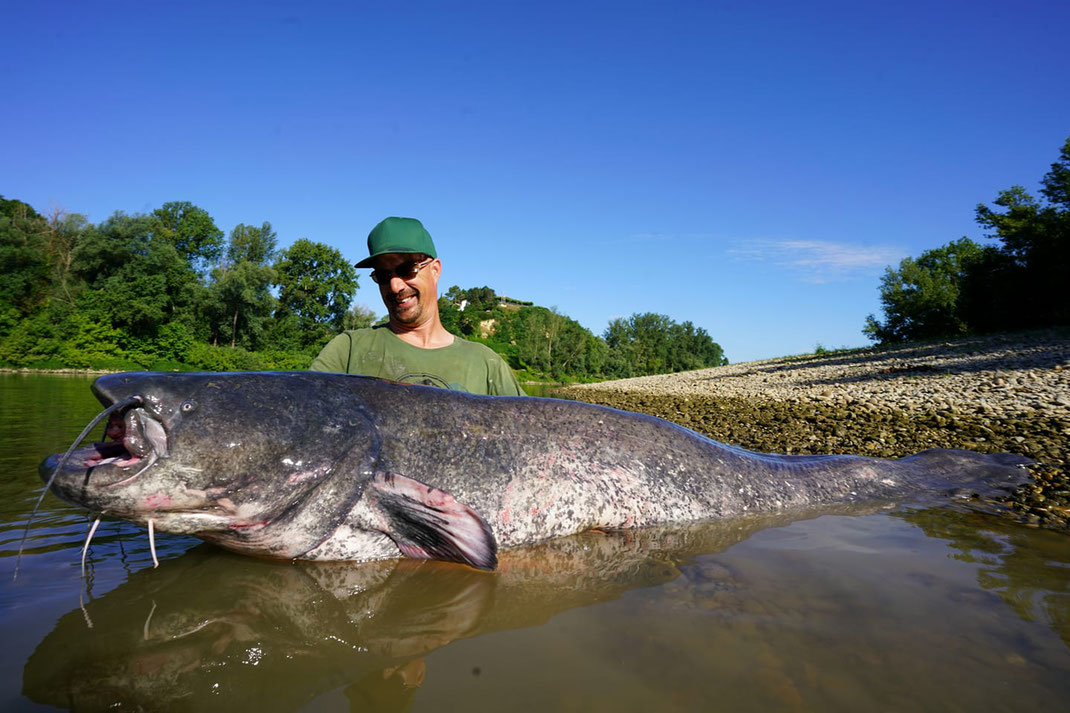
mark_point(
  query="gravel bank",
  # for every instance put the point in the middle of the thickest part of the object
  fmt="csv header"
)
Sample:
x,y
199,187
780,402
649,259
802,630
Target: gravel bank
x,y
988,394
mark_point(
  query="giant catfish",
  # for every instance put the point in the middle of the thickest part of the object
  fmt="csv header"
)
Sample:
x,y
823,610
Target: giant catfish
x,y
314,466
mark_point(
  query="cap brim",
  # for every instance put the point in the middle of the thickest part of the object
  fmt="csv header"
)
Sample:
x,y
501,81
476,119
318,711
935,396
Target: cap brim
x,y
370,260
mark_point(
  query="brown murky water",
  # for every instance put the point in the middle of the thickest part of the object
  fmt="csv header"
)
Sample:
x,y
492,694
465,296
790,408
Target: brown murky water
x,y
905,610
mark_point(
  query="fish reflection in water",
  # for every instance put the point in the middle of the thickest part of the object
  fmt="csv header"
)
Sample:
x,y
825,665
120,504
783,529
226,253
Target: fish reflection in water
x,y
218,627
210,630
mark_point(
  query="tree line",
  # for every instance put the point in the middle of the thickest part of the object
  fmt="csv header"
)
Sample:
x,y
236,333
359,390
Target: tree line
x,y
162,290
170,290
964,287
547,344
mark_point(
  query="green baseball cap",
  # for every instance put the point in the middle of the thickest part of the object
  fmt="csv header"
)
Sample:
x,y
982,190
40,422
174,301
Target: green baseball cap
x,y
398,235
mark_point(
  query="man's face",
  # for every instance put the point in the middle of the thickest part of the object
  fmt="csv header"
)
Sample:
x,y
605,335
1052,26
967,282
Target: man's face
x,y
414,301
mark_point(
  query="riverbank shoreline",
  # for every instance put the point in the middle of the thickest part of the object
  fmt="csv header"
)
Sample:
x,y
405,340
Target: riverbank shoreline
x,y
988,394
57,372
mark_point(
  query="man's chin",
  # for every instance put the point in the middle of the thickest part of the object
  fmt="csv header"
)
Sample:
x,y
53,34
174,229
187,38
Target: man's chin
x,y
406,318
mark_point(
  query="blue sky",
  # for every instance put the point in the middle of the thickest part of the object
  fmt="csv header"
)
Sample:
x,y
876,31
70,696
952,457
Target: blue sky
x,y
750,167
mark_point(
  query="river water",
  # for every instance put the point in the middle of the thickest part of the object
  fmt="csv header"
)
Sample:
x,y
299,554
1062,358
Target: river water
x,y
899,610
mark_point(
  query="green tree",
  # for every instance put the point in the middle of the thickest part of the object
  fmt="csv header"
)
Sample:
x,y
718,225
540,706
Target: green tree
x,y
1035,237
24,266
316,287
450,315
692,347
551,343
37,289
135,283
595,355
461,311
920,299
534,339
34,339
191,231
252,244
358,317
964,288
638,345
285,334
140,279
65,232
569,358
240,304
174,341
650,343
88,342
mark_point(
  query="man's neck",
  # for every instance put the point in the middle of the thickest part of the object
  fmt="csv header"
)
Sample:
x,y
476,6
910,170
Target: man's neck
x,y
430,335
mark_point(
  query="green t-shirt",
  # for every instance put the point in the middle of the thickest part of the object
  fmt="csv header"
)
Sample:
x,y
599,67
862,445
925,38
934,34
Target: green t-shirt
x,y
462,366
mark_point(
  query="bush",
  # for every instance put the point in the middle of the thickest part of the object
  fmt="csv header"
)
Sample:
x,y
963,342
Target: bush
x,y
285,360
90,343
32,340
167,365
173,342
205,357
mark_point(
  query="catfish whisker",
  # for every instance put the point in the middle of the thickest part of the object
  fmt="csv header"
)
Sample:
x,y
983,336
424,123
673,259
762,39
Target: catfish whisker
x,y
145,628
152,461
85,612
131,401
152,545
88,537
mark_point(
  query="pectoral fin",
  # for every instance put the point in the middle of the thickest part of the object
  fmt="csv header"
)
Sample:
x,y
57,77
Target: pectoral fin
x,y
428,523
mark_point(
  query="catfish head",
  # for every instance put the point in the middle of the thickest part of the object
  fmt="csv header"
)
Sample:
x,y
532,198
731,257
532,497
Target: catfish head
x,y
276,464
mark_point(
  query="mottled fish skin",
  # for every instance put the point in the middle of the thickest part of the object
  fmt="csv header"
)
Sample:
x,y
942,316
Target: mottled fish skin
x,y
306,465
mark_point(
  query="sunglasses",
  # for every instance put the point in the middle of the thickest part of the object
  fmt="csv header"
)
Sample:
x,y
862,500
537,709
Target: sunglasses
x,y
406,271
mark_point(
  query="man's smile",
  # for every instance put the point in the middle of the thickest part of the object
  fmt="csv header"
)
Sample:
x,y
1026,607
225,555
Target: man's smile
x,y
405,299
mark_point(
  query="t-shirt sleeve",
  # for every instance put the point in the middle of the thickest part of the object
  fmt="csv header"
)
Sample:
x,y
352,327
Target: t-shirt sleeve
x,y
333,357
502,379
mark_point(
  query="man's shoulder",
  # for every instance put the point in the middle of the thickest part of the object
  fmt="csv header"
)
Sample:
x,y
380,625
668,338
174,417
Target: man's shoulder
x,y
501,381
474,348
374,329
367,334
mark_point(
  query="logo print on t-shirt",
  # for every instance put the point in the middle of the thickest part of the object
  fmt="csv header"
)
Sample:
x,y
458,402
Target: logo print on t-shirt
x,y
428,380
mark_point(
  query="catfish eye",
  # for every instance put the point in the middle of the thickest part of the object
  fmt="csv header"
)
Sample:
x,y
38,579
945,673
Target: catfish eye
x,y
188,406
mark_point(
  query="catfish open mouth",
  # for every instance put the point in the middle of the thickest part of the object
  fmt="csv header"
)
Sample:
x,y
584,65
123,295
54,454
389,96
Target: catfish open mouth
x,y
136,439
103,453
133,439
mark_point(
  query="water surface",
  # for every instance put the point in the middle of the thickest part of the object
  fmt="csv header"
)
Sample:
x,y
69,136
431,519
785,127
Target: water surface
x,y
904,610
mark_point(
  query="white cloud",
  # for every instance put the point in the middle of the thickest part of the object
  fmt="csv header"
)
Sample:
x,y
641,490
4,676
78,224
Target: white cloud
x,y
818,260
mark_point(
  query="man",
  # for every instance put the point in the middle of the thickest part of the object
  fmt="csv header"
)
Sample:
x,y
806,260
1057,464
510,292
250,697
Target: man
x,y
413,347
